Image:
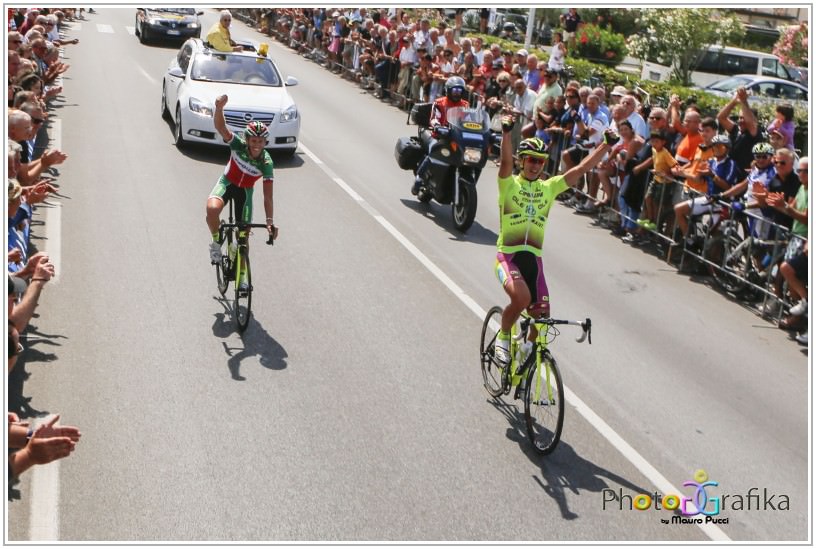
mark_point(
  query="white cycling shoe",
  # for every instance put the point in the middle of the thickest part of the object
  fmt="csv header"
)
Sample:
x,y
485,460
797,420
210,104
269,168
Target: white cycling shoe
x,y
215,253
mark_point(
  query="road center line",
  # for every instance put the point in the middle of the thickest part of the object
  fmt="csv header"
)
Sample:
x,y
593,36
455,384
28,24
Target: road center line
x,y
147,75
603,428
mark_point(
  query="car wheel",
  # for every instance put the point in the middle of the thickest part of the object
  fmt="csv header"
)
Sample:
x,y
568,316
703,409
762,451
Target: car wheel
x,y
288,153
136,27
178,131
143,36
164,112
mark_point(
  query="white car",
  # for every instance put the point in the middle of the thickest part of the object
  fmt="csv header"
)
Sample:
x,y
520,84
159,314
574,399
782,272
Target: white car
x,y
256,91
760,89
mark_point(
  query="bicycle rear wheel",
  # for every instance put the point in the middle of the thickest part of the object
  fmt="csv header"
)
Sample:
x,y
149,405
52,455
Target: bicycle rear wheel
x,y
495,377
222,269
544,404
242,307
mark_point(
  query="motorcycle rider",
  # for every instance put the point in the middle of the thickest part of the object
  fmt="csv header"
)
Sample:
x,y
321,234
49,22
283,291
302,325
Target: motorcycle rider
x,y
454,92
524,206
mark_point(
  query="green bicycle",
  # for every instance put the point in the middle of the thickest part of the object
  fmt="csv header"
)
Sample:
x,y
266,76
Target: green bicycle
x,y
234,265
536,376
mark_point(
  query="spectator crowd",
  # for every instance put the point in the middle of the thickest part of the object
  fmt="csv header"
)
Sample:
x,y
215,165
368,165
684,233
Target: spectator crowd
x,y
35,37
672,165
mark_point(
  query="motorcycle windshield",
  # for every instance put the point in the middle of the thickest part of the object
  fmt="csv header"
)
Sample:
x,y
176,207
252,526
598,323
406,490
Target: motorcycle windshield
x,y
469,120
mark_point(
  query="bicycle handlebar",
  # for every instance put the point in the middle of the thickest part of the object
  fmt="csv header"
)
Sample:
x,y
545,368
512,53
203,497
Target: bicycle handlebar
x,y
586,326
241,226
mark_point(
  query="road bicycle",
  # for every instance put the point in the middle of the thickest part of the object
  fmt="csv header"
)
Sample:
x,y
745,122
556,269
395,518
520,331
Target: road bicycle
x,y
535,376
234,266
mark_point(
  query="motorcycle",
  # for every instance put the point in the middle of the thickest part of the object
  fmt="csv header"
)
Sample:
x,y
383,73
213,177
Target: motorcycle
x,y
457,158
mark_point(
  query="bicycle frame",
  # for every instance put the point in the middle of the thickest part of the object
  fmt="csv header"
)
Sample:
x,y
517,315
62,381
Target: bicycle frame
x,y
540,347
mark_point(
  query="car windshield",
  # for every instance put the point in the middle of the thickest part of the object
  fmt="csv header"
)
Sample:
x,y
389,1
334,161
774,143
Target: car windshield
x,y
235,69
182,11
729,84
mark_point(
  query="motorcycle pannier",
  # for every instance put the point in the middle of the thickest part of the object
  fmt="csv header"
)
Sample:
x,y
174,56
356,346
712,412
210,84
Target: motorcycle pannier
x,y
421,114
408,153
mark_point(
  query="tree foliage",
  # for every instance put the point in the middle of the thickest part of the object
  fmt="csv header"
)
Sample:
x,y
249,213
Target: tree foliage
x,y
792,46
675,37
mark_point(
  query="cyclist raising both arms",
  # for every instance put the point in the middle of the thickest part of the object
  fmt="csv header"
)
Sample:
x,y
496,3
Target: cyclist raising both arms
x,y
249,161
524,206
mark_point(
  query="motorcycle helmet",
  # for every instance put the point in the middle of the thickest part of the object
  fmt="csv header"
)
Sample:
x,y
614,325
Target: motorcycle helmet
x,y
533,147
454,88
256,129
762,148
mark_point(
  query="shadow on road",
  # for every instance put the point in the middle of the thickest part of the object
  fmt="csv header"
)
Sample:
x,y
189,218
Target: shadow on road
x,y
564,470
256,342
441,215
34,343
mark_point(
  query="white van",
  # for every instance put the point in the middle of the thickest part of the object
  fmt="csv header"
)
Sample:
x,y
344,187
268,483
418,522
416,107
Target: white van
x,y
721,61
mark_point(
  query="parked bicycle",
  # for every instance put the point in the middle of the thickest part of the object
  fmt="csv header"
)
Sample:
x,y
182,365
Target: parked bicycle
x,y
747,260
532,371
235,266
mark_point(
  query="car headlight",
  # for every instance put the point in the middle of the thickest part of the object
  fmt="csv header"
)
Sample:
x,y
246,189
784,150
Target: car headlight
x,y
289,114
192,25
153,21
200,107
473,155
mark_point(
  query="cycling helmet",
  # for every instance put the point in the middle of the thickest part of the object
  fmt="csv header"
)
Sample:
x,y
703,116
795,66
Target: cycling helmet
x,y
721,139
533,147
762,148
256,129
454,88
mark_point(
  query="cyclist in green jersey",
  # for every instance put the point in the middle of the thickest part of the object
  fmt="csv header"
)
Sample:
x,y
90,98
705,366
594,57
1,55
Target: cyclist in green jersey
x,y
524,207
249,161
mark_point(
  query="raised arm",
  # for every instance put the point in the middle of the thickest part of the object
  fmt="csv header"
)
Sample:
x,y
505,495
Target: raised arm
x,y
218,119
506,164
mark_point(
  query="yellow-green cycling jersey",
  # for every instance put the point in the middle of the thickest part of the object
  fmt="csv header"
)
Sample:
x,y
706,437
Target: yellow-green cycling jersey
x,y
524,207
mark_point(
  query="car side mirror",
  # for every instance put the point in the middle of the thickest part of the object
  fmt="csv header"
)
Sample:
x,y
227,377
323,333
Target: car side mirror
x,y
291,81
176,72
199,13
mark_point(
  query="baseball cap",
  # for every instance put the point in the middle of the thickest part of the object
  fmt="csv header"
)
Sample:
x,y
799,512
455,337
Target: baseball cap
x,y
522,51
16,285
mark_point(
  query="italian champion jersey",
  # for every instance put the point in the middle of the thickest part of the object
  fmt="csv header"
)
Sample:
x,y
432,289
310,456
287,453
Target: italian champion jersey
x,y
243,171
524,207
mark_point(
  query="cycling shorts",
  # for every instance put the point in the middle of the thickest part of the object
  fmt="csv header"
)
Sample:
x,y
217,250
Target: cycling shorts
x,y
528,267
241,197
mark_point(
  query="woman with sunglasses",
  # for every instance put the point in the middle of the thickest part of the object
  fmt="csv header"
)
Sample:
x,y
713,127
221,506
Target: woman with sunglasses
x,y
524,206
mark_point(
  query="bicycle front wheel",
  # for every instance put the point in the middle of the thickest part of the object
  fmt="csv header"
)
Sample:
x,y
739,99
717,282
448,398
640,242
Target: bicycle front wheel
x,y
544,404
243,293
495,377
222,270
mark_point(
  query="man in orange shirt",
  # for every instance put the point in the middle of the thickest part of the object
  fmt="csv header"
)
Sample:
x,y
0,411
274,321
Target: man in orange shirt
x,y
689,128
697,170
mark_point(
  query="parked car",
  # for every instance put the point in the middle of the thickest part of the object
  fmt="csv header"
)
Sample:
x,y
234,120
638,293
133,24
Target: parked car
x,y
718,62
760,88
256,90
167,23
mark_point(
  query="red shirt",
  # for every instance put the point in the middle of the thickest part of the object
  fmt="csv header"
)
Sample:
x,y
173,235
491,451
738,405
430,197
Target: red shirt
x,y
441,106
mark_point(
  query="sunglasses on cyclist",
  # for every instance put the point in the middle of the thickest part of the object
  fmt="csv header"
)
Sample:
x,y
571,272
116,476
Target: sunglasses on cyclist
x,y
762,156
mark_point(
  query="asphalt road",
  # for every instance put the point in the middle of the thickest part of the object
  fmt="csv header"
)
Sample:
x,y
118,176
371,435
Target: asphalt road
x,y
352,408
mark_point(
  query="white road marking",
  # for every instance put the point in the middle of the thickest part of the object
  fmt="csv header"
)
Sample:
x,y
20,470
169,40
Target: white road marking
x,y
104,28
53,235
145,73
130,30
603,428
44,515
